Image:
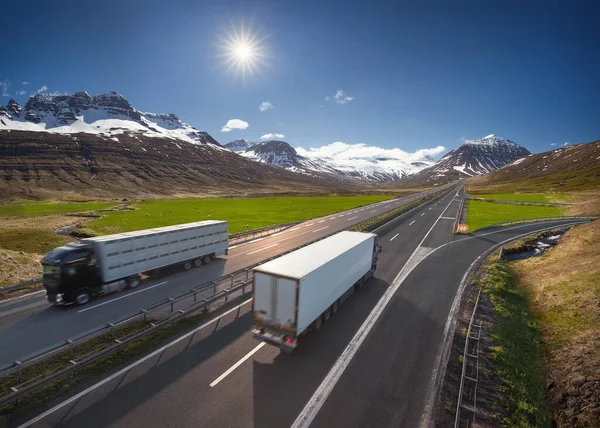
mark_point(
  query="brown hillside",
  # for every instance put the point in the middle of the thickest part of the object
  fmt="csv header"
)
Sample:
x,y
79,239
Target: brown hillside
x,y
42,165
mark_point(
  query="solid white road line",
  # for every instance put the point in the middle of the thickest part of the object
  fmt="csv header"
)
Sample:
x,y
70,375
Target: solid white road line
x,y
447,218
315,403
410,224
248,242
122,297
352,218
262,249
21,296
129,367
295,228
394,237
322,221
236,365
320,229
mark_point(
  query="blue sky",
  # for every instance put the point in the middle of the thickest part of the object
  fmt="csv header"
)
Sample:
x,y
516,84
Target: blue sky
x,y
419,73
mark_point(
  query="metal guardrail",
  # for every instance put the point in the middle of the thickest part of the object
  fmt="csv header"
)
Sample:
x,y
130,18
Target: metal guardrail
x,y
533,220
235,238
470,360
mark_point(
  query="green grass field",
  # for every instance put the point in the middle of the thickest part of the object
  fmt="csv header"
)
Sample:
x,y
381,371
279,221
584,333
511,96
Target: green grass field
x,y
482,213
31,208
525,197
242,213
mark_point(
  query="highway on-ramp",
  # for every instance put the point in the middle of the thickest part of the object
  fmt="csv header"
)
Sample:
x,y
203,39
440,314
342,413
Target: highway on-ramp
x,y
376,363
29,323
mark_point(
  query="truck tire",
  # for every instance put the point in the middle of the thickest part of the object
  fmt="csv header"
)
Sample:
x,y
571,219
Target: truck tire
x,y
335,307
206,259
82,297
187,265
318,323
133,281
198,262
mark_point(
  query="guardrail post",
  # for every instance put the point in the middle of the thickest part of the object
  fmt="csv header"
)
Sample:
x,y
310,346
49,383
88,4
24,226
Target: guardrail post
x,y
214,287
70,342
145,312
171,300
111,325
19,364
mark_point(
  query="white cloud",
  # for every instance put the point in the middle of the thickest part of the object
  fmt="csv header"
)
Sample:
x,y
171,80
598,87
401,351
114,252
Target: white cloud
x,y
4,84
265,105
24,83
271,136
234,124
340,97
343,151
553,144
41,90
565,144
21,92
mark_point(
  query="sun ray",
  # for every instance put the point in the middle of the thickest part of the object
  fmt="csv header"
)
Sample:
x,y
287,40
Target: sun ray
x,y
243,51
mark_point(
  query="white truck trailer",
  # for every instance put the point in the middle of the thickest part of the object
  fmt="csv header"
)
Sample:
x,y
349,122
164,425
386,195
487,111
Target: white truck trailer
x,y
302,289
77,271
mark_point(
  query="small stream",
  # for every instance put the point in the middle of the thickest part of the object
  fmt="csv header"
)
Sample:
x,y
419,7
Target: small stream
x,y
533,248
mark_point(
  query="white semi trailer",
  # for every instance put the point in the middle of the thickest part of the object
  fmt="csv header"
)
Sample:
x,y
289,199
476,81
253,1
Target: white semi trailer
x,y
75,272
302,289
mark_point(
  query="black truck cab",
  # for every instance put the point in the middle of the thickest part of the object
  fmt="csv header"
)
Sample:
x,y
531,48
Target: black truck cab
x,y
70,274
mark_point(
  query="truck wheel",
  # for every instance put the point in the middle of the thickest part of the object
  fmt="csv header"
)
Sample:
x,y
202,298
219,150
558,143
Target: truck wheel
x,y
187,265
133,281
335,307
318,323
327,315
206,259
82,297
198,262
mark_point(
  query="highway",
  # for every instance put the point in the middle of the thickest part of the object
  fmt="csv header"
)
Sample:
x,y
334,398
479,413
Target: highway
x,y
376,363
30,323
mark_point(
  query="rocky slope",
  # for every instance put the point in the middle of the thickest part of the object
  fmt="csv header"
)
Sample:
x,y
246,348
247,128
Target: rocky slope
x,y
569,168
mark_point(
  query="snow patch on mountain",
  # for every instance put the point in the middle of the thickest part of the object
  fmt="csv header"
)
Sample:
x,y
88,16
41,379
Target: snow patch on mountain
x,y
108,113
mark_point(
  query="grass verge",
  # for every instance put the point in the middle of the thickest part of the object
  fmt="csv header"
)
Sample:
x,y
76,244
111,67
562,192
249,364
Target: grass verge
x,y
241,213
523,197
517,352
483,213
35,208
62,386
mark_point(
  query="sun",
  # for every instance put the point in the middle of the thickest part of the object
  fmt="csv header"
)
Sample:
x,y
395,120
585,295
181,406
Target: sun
x,y
243,51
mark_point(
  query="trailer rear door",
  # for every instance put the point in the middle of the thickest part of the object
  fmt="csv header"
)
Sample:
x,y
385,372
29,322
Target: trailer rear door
x,y
274,301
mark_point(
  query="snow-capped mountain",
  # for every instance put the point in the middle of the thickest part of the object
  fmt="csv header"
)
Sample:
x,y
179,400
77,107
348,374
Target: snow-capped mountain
x,y
240,146
366,167
474,157
481,156
108,114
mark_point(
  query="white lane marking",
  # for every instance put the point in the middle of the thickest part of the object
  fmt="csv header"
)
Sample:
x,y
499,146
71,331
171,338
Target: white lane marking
x,y
262,249
129,367
122,297
447,218
372,211
315,403
422,214
322,221
410,224
429,210
342,215
394,237
320,229
276,234
352,218
236,365
295,228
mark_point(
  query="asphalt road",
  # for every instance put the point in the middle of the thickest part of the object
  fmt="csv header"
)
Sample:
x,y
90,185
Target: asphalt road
x,y
219,376
29,323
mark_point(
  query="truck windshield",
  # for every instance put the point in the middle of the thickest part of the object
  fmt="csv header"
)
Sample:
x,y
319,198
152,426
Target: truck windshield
x,y
51,271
